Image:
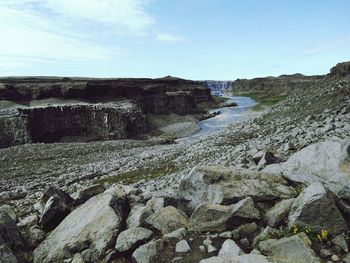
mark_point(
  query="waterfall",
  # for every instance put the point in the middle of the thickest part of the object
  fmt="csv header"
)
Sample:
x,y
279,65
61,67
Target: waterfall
x,y
218,88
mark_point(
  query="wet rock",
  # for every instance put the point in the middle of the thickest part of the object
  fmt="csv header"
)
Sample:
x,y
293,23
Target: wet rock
x,y
326,162
305,211
56,206
280,210
222,185
132,238
167,220
148,253
93,225
294,249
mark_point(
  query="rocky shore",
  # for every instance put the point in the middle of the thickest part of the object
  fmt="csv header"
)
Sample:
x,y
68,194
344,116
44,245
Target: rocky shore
x,y
273,189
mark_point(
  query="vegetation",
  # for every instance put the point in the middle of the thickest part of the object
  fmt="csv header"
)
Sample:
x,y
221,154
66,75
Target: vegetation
x,y
262,98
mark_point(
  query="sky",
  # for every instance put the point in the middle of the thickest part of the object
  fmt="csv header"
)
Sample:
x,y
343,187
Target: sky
x,y
193,39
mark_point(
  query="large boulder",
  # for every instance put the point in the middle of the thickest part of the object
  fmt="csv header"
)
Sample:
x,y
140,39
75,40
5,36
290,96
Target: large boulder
x,y
86,193
94,225
148,253
12,243
56,205
316,209
167,220
326,162
278,212
218,218
294,249
227,185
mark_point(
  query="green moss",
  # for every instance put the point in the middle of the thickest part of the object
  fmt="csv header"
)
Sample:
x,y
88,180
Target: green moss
x,y
137,175
263,99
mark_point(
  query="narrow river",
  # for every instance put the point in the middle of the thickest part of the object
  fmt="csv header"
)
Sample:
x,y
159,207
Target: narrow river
x,y
227,116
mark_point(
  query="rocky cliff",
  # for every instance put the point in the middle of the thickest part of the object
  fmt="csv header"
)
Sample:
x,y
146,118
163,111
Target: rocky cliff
x,y
56,109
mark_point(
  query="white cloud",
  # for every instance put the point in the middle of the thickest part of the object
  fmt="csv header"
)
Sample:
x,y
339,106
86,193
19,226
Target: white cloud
x,y
38,31
169,38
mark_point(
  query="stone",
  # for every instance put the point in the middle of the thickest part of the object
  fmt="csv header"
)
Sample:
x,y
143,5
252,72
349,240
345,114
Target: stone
x,y
294,249
93,225
35,236
326,162
132,238
9,210
139,213
341,242
167,220
278,212
213,260
334,258
227,234
230,249
306,209
202,249
346,259
211,249
147,253
12,244
267,159
240,259
325,253
77,258
218,218
227,185
89,255
87,193
244,242
56,204
182,247
177,234
28,222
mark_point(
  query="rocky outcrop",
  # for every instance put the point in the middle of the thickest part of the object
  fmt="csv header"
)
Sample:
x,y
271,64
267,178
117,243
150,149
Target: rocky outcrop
x,y
223,185
120,120
341,69
326,162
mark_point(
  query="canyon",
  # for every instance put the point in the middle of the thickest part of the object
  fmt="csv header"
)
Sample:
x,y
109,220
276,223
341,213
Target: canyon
x,y
250,193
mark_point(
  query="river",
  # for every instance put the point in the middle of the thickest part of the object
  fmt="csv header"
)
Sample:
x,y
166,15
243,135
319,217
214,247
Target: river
x,y
227,116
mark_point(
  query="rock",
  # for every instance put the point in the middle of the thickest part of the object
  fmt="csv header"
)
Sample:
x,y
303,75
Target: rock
x,y
182,247
267,159
9,210
245,230
230,249
202,249
305,211
77,258
280,210
344,193
334,258
325,253
341,242
148,253
326,162
177,234
89,255
210,217
167,220
93,225
89,192
12,244
294,249
139,213
218,218
346,259
28,222
213,260
223,185
211,249
56,206
132,238
244,242
35,236
239,259
227,234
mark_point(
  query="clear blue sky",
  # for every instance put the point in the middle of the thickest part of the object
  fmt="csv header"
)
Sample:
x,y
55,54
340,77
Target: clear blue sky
x,y
195,39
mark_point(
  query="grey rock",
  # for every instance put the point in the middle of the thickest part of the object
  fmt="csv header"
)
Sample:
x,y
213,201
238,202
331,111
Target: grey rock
x,y
280,210
167,220
10,211
346,259
294,249
341,242
12,244
325,253
28,222
177,234
211,249
89,255
305,211
78,258
223,185
132,238
323,162
182,246
35,236
93,225
148,253
139,213
230,249
87,193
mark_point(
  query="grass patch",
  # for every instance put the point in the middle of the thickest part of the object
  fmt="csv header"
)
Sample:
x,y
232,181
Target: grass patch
x,y
217,102
137,175
262,99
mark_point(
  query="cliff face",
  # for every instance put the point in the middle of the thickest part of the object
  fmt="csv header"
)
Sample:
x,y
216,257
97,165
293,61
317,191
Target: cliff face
x,y
102,109
275,85
120,120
